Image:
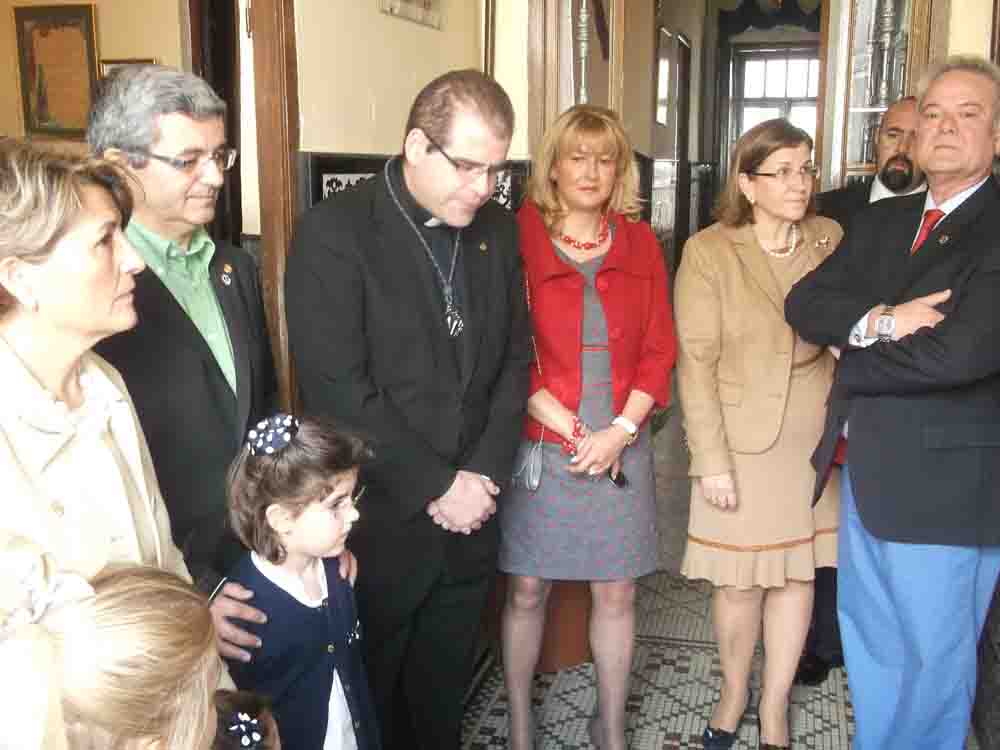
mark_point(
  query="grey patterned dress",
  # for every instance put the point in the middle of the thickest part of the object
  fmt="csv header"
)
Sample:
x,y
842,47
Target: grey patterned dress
x,y
577,527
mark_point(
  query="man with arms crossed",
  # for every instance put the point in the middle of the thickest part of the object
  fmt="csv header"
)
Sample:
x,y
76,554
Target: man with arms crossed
x,y
920,527
897,174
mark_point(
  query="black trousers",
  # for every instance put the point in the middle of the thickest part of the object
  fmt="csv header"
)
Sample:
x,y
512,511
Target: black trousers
x,y
824,632
419,671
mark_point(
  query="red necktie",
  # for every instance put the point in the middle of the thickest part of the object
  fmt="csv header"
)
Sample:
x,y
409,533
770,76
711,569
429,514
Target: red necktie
x,y
931,218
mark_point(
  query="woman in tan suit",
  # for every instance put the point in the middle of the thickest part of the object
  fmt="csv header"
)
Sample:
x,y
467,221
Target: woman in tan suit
x,y
753,396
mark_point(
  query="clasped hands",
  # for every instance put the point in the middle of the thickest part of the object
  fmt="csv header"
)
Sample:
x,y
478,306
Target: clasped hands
x,y
467,505
600,450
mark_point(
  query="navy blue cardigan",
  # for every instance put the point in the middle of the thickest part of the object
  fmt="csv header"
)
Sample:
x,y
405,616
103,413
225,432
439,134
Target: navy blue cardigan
x,y
301,646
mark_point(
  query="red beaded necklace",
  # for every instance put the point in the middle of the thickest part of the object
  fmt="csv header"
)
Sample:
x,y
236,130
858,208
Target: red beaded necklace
x,y
602,234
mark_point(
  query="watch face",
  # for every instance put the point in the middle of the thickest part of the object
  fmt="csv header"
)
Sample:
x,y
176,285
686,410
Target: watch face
x,y
885,325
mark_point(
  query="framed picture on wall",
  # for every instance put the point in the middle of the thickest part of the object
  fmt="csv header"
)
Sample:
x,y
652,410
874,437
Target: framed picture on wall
x,y
57,62
426,12
108,65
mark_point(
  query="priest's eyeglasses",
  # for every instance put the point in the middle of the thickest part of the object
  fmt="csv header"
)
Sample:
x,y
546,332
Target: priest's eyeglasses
x,y
468,170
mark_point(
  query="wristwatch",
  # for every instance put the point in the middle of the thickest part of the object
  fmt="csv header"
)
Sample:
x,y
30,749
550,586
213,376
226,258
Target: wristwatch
x,y
885,324
628,425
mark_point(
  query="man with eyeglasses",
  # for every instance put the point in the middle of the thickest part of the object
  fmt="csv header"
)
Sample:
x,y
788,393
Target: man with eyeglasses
x,y
896,174
198,365
408,323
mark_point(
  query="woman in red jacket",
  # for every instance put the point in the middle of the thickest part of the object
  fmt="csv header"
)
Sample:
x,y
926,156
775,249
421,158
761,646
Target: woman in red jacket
x,y
582,503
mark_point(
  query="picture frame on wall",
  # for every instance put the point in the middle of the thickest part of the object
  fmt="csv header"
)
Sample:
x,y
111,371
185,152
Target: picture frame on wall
x,y
425,12
108,65
57,65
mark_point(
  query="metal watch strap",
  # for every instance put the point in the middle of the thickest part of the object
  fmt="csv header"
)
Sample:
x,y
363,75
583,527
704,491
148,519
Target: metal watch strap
x,y
886,313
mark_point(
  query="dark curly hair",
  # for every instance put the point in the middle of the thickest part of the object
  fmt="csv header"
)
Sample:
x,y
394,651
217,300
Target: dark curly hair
x,y
297,475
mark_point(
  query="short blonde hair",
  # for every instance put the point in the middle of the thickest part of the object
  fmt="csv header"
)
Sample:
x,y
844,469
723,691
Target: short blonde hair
x,y
750,151
584,122
139,661
40,197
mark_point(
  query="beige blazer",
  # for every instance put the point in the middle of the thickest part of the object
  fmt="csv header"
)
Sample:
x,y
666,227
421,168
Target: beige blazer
x,y
735,359
40,499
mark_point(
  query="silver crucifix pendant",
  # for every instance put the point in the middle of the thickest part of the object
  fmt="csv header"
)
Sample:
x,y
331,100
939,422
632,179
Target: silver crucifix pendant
x,y
453,320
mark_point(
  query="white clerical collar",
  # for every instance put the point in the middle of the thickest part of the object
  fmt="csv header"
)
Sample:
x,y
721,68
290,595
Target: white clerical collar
x,y
433,222
880,191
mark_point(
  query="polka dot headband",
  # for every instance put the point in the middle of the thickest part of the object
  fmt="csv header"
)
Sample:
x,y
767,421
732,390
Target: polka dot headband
x,y
271,435
246,729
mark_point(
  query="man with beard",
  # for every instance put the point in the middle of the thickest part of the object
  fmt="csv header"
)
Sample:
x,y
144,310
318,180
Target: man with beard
x,y
897,174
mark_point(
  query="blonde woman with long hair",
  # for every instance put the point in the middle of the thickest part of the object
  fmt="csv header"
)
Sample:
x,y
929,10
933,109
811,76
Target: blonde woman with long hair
x,y
583,506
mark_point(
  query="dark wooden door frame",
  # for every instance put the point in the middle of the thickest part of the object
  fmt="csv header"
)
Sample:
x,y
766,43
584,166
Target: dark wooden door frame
x,y
215,38
276,87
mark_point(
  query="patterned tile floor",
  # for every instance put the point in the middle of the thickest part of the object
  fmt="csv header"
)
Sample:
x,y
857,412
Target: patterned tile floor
x,y
675,670
675,676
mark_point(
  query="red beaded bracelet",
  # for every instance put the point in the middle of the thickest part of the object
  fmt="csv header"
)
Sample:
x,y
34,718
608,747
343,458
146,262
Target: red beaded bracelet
x,y
580,431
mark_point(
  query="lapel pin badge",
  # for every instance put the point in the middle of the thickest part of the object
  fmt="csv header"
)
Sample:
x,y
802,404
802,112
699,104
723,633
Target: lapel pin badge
x,y
944,239
823,242
482,247
227,271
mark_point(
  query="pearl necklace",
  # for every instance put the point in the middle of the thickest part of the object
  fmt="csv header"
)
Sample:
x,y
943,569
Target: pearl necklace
x,y
787,250
602,235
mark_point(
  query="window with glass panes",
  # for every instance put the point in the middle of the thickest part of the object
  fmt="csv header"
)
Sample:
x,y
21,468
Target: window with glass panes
x,y
775,82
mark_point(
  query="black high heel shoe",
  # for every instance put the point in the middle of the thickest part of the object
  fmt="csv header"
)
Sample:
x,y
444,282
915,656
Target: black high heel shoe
x,y
718,739
767,745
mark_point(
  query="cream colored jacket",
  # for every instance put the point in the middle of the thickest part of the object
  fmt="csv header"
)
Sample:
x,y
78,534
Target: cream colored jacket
x,y
45,503
736,349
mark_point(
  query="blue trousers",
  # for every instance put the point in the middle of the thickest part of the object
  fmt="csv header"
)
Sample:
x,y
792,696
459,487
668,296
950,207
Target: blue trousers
x,y
910,618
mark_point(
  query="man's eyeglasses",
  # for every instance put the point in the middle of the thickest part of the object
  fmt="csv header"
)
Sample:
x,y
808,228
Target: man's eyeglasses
x,y
469,171
785,174
224,159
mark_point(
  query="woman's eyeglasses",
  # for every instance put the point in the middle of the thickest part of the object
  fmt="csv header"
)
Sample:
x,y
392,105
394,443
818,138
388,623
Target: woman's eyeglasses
x,y
785,174
347,503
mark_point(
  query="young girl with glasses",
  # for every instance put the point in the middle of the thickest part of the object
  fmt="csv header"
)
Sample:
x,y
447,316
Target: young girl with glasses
x,y
293,492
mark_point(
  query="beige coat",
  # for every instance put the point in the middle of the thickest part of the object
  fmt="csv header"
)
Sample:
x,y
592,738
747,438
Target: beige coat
x,y
40,499
736,349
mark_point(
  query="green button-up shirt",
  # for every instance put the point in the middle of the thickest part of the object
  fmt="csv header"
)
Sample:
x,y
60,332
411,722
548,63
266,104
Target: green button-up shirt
x,y
186,275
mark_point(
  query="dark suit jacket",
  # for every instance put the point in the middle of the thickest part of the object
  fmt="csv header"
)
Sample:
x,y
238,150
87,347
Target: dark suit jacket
x,y
301,648
843,204
194,424
365,325
924,411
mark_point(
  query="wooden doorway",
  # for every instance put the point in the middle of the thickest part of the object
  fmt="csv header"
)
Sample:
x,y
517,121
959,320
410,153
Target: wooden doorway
x,y
215,56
